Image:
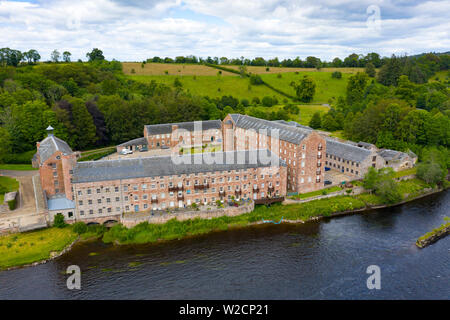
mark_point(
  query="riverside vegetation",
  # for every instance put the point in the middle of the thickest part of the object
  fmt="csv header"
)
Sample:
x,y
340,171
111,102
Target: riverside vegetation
x,y
435,234
29,247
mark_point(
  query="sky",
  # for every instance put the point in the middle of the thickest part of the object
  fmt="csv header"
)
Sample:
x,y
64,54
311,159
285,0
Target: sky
x,y
133,30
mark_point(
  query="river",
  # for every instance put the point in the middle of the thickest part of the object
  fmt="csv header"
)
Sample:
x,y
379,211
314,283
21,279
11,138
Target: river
x,y
317,260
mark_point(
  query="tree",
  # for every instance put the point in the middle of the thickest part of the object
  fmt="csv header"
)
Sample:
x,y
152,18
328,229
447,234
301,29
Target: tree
x,y
370,70
32,56
315,122
329,123
305,90
95,55
59,221
5,143
355,88
390,72
66,56
382,183
431,172
55,56
267,101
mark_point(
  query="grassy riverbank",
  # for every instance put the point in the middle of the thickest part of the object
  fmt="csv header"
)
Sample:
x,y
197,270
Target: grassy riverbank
x,y
25,248
174,229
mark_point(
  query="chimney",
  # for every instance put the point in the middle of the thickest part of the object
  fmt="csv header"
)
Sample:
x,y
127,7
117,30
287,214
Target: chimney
x,y
50,131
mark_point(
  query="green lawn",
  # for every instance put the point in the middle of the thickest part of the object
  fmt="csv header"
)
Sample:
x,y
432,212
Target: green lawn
x,y
17,167
7,185
24,248
406,172
316,193
326,87
215,86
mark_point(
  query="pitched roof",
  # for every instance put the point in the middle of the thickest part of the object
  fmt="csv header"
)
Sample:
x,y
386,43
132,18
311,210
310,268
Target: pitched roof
x,y
60,202
347,151
50,145
286,132
390,155
91,171
134,142
293,124
189,126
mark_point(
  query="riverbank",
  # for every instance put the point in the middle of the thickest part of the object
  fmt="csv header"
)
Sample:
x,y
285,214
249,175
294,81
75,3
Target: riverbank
x,y
174,229
434,235
290,213
30,248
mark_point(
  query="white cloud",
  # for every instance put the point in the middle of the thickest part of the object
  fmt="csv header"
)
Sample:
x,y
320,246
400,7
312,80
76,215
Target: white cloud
x,y
136,30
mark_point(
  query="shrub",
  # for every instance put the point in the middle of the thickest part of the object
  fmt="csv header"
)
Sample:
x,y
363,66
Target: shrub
x,y
256,100
12,204
80,227
336,75
245,102
256,79
59,221
267,101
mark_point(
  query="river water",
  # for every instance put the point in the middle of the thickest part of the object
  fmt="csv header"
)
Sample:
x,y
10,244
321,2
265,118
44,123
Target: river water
x,y
317,260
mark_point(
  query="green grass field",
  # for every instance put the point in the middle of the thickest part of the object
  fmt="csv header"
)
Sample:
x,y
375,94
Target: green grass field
x,y
215,86
326,87
24,248
7,185
17,167
305,115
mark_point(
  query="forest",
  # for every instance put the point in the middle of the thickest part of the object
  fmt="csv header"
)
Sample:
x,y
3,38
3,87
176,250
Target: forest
x,y
403,106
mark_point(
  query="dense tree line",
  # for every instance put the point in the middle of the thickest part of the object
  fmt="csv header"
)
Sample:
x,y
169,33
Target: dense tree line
x,y
88,104
401,116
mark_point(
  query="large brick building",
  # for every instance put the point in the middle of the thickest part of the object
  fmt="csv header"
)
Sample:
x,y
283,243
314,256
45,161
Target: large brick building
x,y
300,147
252,159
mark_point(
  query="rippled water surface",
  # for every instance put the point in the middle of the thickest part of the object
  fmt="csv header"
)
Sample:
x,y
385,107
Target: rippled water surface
x,y
320,260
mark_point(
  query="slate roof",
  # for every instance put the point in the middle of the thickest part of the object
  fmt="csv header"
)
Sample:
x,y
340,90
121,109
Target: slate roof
x,y
91,171
288,133
293,124
347,151
60,202
189,126
134,142
50,145
390,155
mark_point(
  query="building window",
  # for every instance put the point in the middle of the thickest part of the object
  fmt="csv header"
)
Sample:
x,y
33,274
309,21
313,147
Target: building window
x,y
81,213
116,189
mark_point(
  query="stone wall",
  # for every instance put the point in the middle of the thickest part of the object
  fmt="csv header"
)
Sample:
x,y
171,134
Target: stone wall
x,y
131,220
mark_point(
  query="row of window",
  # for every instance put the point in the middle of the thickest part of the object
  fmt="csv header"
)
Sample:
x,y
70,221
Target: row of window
x,y
171,194
346,169
342,160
